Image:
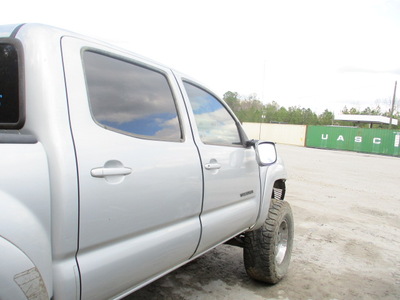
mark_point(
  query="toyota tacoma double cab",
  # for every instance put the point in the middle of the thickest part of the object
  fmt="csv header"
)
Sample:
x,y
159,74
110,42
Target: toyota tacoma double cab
x,y
116,170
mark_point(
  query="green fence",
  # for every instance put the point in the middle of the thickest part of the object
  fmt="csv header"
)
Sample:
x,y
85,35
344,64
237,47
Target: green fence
x,y
380,141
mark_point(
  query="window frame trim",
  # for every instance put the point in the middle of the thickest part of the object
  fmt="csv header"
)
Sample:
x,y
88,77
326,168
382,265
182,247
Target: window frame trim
x,y
141,64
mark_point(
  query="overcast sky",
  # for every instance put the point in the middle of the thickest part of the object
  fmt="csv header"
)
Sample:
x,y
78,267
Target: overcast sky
x,y
311,53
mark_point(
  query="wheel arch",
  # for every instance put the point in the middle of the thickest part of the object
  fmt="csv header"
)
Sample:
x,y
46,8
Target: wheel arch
x,y
19,277
279,189
273,178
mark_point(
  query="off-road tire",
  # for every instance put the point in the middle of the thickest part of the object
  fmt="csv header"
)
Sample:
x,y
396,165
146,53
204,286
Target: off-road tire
x,y
267,250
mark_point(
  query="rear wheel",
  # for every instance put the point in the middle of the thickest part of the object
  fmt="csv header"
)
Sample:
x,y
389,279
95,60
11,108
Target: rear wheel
x,y
267,250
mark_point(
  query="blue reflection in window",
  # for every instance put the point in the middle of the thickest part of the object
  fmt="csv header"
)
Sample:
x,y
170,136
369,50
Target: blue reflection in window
x,y
151,125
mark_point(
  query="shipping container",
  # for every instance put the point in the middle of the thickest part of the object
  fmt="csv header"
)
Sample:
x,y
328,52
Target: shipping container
x,y
378,141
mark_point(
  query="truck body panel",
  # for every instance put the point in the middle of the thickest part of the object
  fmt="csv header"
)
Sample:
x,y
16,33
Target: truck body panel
x,y
24,216
47,118
129,169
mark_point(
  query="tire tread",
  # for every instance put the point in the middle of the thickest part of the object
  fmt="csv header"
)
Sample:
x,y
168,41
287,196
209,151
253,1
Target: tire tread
x,y
259,246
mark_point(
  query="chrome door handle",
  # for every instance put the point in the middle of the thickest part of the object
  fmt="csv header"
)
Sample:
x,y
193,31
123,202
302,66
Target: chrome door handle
x,y
212,166
103,172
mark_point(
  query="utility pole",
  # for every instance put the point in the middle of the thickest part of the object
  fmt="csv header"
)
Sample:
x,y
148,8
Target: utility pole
x,y
393,101
262,119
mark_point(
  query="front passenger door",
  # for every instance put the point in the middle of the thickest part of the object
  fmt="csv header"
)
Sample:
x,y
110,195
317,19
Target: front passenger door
x,y
231,174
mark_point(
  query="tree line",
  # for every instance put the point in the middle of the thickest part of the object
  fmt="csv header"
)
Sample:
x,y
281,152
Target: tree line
x,y
251,109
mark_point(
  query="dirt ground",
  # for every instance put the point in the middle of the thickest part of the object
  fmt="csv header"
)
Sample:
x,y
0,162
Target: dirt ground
x,y
346,208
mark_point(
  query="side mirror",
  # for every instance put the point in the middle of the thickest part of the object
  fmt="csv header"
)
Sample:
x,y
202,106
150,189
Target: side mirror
x,y
265,153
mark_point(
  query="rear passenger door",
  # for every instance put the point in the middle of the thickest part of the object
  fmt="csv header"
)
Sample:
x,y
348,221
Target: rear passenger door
x,y
231,175
140,183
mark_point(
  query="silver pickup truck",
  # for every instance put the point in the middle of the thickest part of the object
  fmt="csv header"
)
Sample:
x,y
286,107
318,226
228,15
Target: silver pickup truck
x,y
116,170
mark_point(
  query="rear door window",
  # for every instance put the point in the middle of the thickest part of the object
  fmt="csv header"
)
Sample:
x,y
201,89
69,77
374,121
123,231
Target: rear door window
x,y
11,110
130,98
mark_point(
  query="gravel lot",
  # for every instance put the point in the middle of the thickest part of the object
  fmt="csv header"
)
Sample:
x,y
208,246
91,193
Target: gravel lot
x,y
346,207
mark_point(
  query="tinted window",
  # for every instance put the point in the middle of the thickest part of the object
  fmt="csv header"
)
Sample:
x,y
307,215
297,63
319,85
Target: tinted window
x,y
214,123
130,98
9,88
